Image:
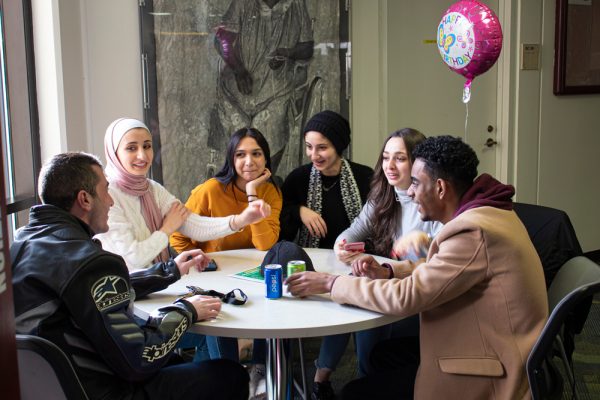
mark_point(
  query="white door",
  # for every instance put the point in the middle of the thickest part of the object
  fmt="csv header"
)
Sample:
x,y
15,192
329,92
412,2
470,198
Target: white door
x,y
424,93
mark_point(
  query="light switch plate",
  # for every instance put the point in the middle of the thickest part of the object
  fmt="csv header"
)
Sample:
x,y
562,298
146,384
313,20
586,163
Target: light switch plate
x,y
530,56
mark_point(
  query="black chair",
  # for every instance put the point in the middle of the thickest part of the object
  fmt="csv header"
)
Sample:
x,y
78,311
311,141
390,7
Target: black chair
x,y
45,372
555,241
575,284
552,235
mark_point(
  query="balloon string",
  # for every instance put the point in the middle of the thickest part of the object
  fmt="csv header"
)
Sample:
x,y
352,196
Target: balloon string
x,y
466,121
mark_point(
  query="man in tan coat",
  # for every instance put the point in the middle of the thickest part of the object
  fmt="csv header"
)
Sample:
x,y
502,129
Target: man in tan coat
x,y
480,292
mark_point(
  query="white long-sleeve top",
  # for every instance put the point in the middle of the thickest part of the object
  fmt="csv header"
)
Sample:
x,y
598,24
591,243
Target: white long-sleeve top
x,y
361,227
129,236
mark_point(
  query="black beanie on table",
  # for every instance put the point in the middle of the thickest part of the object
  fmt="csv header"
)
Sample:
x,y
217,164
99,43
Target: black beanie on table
x,y
331,125
283,252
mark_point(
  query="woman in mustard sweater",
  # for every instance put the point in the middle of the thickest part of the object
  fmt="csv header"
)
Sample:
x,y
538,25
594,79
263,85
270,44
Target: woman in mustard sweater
x,y
245,177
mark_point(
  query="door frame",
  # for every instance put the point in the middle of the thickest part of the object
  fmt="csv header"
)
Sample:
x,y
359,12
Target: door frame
x,y
504,110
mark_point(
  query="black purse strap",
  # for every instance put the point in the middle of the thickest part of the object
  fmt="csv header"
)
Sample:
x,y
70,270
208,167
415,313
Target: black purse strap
x,y
236,297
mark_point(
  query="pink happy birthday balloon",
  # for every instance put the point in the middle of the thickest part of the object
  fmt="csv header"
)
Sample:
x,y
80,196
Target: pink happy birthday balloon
x,y
469,40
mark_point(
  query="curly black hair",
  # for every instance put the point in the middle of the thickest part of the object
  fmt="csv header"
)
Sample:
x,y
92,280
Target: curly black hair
x,y
448,158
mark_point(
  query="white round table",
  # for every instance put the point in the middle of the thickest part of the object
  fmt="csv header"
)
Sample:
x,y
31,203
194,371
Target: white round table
x,y
272,319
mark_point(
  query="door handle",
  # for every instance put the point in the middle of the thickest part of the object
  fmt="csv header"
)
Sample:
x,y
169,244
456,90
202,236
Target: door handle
x,y
490,142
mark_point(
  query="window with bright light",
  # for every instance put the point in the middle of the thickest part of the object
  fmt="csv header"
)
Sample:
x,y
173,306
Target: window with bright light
x,y
18,111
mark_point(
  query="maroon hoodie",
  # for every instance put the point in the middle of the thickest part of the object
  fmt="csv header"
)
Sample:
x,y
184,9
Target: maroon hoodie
x,y
486,191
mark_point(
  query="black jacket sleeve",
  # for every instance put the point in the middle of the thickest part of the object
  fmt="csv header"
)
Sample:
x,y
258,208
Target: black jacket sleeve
x,y
155,278
99,298
294,191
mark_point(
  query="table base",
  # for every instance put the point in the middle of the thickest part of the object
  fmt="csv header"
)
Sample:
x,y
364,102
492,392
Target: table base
x,y
279,370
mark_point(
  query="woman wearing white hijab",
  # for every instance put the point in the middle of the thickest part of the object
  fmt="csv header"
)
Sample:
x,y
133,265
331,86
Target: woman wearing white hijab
x,y
144,213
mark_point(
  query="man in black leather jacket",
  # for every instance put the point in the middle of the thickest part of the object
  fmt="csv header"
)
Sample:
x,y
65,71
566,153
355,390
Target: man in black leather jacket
x,y
71,292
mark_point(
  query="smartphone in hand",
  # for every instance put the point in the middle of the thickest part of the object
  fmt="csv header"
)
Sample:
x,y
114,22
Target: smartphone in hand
x,y
355,246
212,266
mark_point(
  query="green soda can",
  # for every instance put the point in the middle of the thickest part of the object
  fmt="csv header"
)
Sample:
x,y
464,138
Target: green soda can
x,y
295,266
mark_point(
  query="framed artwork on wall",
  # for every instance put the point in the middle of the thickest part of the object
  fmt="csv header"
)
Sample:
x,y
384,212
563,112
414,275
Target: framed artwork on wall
x,y
211,67
577,47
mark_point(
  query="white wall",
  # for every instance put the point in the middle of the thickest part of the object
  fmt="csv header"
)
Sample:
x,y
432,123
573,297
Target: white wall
x,y
569,141
78,136
368,107
49,77
111,54
552,140
88,62
555,137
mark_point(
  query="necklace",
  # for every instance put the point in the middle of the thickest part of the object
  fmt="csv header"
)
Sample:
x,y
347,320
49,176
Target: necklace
x,y
328,188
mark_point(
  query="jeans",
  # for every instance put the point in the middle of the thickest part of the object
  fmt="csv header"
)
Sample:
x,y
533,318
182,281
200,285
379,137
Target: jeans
x,y
395,364
213,379
227,348
198,341
333,347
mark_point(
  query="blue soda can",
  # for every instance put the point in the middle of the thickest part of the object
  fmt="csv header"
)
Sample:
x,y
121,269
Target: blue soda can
x,y
274,281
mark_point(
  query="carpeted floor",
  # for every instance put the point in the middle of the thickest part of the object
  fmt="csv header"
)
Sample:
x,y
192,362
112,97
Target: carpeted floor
x,y
346,369
586,357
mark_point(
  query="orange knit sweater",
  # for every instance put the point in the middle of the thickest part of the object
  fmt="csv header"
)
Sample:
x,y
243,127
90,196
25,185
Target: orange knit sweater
x,y
211,200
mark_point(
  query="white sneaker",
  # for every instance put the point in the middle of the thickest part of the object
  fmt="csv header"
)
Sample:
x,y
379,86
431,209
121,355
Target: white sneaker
x,y
258,383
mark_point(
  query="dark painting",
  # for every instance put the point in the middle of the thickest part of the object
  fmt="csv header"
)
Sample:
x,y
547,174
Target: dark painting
x,y
223,65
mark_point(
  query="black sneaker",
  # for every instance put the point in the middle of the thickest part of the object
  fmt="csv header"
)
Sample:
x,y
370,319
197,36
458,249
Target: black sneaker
x,y
322,391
